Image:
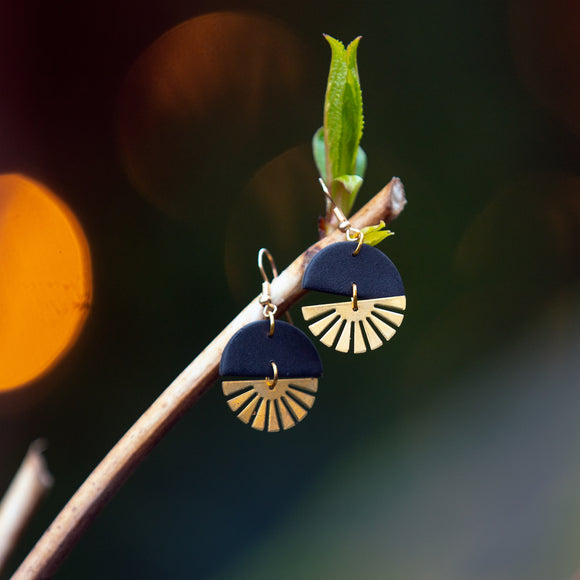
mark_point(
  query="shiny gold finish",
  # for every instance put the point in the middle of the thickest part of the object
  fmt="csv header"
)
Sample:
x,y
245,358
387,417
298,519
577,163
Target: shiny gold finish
x,y
268,408
272,324
352,234
344,224
264,252
354,297
272,383
265,298
269,311
340,320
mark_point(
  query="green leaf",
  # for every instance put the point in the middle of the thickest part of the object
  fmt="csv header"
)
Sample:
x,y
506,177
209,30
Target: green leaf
x,y
319,152
374,235
343,117
333,106
344,190
352,124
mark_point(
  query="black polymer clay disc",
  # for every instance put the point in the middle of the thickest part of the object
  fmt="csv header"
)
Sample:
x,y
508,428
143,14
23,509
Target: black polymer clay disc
x,y
334,270
377,297
251,350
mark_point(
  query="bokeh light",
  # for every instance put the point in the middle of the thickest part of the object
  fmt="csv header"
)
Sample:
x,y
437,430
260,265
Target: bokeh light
x,y
514,262
198,108
284,199
45,280
452,452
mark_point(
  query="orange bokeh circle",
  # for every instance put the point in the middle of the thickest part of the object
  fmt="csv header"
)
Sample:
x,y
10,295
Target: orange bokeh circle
x,y
206,104
45,280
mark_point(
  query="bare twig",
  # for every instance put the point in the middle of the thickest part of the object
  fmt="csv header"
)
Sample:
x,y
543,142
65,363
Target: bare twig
x,y
121,461
30,484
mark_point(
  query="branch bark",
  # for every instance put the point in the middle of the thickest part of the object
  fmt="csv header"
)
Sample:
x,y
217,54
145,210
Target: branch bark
x,y
30,484
182,393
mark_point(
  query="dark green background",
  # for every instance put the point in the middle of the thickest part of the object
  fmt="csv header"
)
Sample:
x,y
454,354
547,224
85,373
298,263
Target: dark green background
x,y
452,452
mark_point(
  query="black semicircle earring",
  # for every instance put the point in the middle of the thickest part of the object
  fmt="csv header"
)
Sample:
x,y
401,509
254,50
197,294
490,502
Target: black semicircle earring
x,y
369,278
278,364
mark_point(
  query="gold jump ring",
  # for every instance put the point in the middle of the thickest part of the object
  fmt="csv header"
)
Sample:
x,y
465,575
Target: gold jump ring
x,y
274,381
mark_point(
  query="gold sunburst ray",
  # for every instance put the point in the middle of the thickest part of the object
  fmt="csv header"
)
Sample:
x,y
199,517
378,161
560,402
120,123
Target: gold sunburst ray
x,y
271,408
339,325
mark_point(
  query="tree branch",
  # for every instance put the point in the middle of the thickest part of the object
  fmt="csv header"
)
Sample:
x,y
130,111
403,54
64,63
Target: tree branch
x,y
190,385
30,484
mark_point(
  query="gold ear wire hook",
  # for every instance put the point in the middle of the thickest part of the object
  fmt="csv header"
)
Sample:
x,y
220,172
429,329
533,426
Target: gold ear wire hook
x,y
352,234
265,298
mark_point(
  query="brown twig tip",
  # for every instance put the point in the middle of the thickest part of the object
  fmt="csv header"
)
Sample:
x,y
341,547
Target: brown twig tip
x,y
196,379
398,198
30,484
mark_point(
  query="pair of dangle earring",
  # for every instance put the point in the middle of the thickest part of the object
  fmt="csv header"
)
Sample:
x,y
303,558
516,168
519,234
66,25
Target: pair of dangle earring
x,y
369,278
277,364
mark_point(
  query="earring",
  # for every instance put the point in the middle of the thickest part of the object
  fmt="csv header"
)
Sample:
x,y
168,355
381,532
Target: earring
x,y
371,280
280,366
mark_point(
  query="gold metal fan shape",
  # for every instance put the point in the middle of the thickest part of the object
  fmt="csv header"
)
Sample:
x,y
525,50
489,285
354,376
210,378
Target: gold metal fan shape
x,y
271,405
343,323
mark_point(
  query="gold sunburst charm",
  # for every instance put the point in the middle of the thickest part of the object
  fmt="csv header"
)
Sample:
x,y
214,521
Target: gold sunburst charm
x,y
342,325
271,407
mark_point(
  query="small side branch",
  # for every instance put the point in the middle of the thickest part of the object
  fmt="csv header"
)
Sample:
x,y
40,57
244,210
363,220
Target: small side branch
x,y
182,393
30,484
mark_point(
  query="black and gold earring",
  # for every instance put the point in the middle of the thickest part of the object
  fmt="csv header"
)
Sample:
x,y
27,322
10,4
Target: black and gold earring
x,y
369,278
279,365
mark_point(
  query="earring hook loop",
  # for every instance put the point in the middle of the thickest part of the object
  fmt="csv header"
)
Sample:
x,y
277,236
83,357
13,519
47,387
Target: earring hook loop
x,y
265,298
265,252
352,234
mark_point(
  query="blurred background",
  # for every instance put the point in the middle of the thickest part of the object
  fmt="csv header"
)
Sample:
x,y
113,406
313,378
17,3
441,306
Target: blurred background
x,y
147,150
